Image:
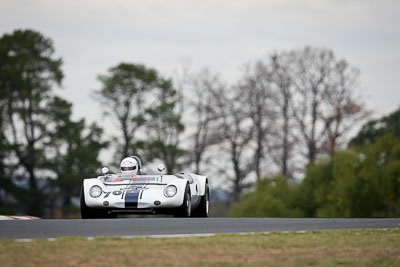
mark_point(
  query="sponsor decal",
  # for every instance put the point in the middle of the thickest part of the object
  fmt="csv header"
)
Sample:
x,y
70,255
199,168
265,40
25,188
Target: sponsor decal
x,y
135,178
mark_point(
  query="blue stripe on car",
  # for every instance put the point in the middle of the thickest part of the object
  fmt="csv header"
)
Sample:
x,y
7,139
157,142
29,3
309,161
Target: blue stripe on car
x,y
131,198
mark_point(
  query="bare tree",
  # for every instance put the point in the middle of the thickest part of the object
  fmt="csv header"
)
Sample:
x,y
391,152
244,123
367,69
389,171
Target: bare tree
x,y
300,99
257,100
323,106
342,109
310,76
237,134
283,149
205,132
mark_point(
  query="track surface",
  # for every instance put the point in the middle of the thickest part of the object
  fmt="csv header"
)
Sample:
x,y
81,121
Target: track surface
x,y
21,229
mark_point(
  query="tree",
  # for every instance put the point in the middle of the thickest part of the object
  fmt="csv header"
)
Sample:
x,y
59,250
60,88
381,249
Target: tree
x,y
272,197
256,96
144,106
282,149
374,129
236,136
310,77
203,117
28,71
27,74
7,188
164,126
342,108
74,150
361,182
124,97
324,105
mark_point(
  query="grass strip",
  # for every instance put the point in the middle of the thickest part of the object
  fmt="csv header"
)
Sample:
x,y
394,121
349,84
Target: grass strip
x,y
322,248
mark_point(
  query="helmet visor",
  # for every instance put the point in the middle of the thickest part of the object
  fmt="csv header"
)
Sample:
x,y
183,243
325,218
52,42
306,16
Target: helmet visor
x,y
128,168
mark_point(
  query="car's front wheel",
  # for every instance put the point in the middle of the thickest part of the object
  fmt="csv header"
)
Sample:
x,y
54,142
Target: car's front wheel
x,y
186,209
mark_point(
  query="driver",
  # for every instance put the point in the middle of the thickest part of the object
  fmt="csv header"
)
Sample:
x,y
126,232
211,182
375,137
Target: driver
x,y
129,167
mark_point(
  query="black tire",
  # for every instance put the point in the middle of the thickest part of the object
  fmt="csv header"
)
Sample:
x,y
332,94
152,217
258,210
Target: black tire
x,y
89,213
185,210
204,205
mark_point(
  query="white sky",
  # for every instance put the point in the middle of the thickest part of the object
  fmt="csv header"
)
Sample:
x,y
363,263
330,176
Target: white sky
x,y
93,35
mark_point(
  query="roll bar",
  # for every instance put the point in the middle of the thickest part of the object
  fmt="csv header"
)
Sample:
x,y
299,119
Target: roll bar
x,y
140,171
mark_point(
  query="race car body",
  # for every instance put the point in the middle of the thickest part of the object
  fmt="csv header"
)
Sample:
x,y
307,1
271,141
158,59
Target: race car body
x,y
181,195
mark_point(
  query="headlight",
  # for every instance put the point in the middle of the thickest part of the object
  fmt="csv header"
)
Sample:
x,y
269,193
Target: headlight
x,y
170,191
95,191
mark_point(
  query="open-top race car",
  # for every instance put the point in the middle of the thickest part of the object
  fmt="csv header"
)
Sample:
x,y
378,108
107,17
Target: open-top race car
x,y
132,192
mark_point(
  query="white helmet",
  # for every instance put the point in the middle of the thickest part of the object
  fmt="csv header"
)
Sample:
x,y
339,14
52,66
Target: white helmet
x,y
129,165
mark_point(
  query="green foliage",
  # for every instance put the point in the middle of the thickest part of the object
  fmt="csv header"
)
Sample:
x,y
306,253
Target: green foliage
x,y
27,65
125,95
273,197
28,71
317,191
310,188
381,176
164,128
375,129
75,148
38,139
356,183
363,182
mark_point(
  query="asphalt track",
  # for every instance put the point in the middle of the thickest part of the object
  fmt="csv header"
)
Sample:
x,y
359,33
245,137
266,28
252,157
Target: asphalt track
x,y
28,229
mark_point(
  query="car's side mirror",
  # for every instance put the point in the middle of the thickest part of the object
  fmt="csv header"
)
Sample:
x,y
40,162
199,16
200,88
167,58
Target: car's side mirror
x,y
161,168
105,170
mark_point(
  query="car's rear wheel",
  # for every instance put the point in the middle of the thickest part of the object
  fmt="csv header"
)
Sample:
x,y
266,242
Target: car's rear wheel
x,y
204,206
89,213
186,209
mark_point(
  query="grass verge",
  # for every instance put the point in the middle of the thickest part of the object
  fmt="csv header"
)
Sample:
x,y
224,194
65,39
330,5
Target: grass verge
x,y
323,248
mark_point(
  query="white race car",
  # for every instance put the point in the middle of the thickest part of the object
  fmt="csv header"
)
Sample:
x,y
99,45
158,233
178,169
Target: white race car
x,y
132,192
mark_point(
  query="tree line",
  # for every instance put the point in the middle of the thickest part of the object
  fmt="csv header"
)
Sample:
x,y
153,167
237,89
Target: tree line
x,y
283,113
361,181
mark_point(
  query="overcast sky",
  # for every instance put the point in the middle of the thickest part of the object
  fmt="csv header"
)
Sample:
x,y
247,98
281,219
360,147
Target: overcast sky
x,y
93,35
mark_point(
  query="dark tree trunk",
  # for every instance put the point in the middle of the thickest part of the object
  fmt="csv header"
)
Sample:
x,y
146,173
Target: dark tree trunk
x,y
237,188
285,138
32,177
